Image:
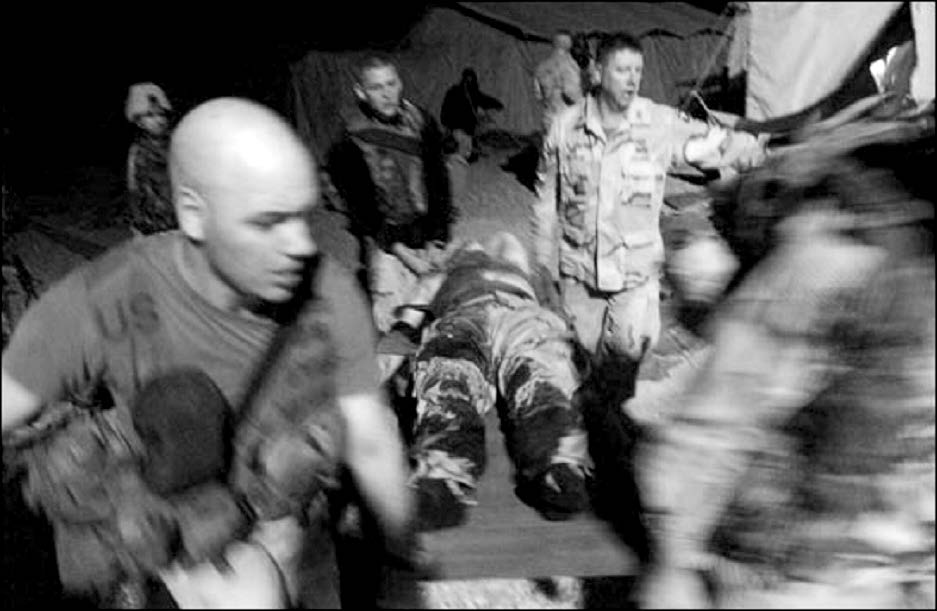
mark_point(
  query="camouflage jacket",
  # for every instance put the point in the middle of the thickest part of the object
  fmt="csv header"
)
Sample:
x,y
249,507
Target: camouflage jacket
x,y
597,214
392,177
814,412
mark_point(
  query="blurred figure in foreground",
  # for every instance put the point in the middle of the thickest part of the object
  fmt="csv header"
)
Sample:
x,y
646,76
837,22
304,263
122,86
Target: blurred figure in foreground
x,y
800,470
217,380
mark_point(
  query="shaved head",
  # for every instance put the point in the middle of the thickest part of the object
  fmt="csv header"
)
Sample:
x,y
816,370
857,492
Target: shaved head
x,y
243,186
227,142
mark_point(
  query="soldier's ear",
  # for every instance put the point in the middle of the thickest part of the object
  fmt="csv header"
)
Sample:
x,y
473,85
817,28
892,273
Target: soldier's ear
x,y
192,213
359,92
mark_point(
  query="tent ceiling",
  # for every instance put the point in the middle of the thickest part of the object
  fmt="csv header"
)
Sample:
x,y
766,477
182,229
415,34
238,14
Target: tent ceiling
x,y
543,19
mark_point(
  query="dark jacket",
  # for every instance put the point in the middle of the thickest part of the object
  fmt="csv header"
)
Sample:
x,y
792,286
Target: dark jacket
x,y
393,177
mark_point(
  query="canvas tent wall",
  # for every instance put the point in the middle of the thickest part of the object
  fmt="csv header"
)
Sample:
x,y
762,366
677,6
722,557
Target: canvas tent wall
x,y
504,41
797,53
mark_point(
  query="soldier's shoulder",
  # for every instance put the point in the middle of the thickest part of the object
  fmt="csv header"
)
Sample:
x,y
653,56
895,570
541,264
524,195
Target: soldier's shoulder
x,y
419,116
545,64
351,117
572,115
114,264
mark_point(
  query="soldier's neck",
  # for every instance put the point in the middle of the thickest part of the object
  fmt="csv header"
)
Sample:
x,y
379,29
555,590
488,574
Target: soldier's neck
x,y
611,116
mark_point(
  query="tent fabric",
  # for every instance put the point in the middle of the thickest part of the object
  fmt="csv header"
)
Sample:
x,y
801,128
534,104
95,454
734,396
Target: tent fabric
x,y
737,62
447,40
543,19
922,79
800,52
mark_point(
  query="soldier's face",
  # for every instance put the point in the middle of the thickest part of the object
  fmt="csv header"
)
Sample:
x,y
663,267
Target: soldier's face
x,y
621,77
258,236
153,121
381,88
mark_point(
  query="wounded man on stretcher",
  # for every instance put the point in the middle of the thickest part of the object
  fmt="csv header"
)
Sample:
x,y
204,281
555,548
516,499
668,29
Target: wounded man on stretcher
x,y
491,339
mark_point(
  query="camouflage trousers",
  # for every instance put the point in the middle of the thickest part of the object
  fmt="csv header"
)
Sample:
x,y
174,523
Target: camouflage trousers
x,y
504,348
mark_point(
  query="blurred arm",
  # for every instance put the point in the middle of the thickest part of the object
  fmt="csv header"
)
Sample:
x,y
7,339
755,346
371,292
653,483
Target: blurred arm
x,y
19,403
708,146
375,455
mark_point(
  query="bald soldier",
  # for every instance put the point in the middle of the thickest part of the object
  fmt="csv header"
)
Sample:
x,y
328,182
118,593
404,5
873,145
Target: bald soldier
x,y
208,298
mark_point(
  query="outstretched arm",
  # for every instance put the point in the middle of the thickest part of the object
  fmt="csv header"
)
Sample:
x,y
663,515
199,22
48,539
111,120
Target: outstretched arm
x,y
373,448
709,146
489,102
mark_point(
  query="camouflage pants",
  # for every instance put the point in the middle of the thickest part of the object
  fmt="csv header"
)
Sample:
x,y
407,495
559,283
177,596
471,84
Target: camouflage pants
x,y
502,347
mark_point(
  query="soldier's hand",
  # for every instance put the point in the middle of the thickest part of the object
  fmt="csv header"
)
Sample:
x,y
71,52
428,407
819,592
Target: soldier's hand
x,y
670,587
205,586
148,535
412,259
210,519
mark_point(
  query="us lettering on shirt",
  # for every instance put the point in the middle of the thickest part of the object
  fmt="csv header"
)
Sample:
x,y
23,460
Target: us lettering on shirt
x,y
116,320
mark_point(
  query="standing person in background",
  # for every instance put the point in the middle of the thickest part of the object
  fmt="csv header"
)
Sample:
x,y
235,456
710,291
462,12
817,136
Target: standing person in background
x,y
390,170
601,181
151,209
464,109
596,226
557,79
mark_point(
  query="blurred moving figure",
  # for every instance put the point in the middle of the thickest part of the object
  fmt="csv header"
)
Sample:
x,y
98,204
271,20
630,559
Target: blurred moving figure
x,y
800,470
237,361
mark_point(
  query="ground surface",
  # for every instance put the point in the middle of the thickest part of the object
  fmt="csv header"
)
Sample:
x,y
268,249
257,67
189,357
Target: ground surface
x,y
60,232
